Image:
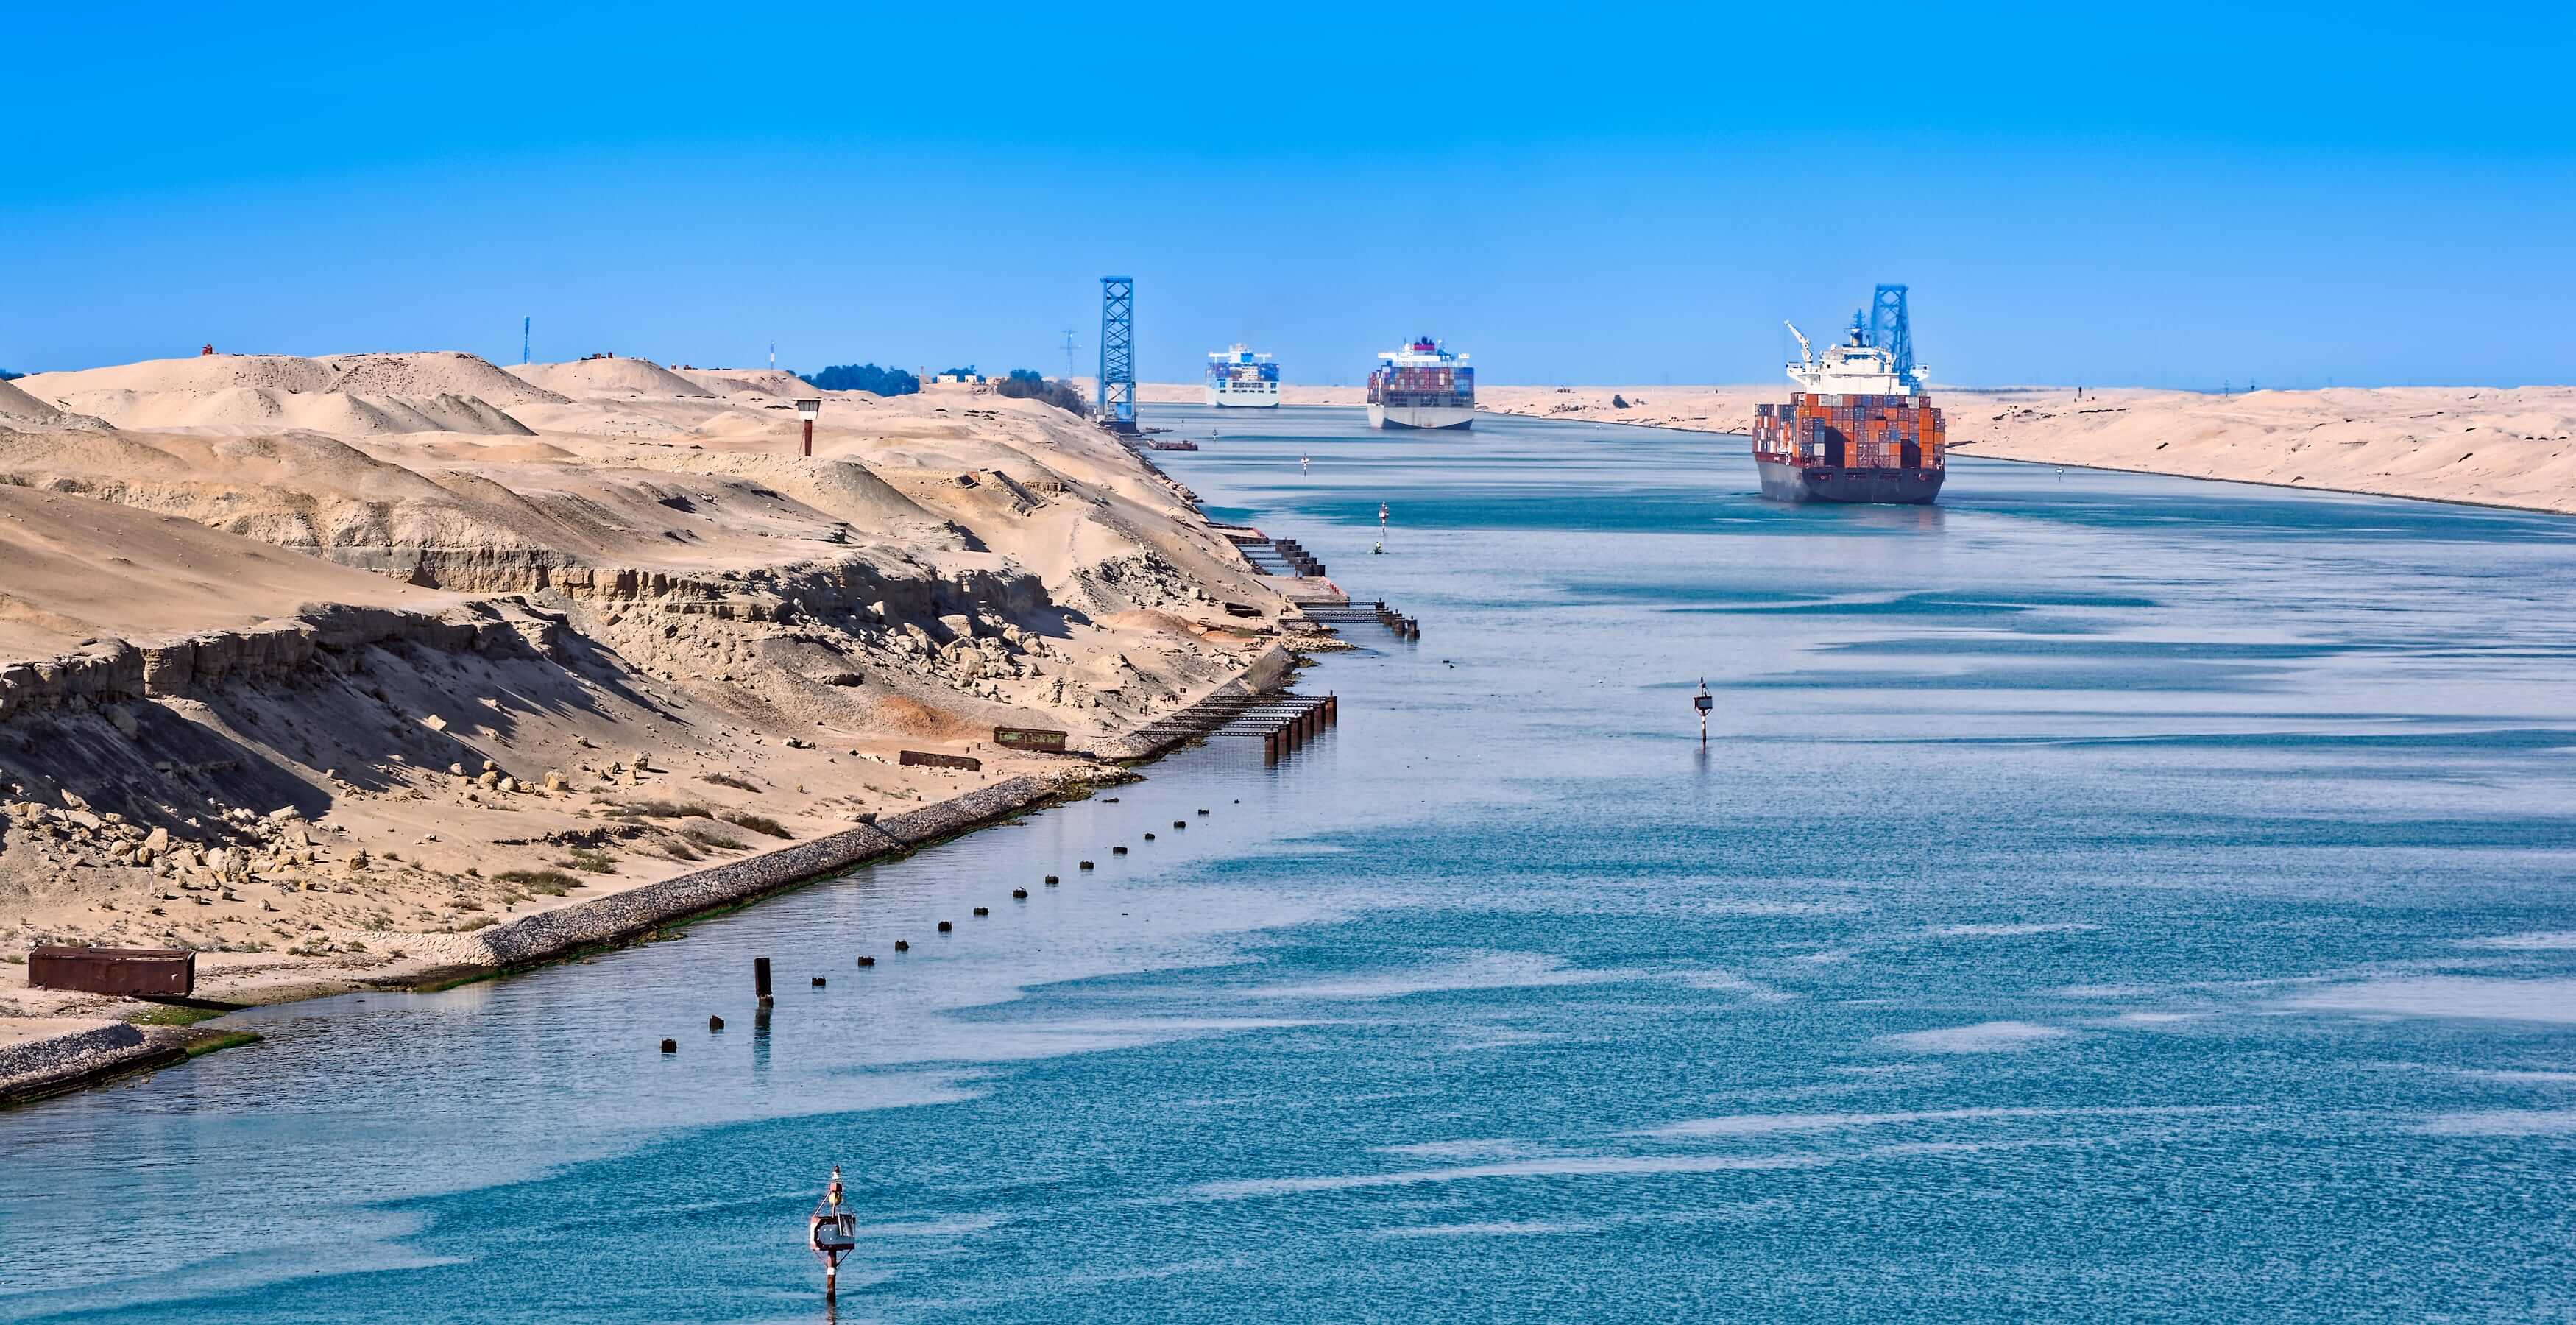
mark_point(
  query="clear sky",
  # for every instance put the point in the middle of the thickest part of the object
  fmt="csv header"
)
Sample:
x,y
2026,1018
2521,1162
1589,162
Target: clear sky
x,y
2168,193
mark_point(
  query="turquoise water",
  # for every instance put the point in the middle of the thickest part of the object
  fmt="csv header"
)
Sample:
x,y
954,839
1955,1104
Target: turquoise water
x,y
2101,896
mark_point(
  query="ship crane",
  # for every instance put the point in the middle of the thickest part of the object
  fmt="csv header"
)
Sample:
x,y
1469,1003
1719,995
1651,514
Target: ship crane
x,y
1806,352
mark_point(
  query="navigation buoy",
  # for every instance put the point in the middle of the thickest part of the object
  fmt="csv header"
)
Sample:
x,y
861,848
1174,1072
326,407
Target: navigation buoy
x,y
832,1231
1702,702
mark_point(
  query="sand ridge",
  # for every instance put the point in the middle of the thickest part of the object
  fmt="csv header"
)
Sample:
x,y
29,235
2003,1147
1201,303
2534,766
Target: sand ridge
x,y
361,395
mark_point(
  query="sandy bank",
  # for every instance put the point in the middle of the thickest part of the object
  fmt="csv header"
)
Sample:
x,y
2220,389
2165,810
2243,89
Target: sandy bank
x,y
2495,446
353,707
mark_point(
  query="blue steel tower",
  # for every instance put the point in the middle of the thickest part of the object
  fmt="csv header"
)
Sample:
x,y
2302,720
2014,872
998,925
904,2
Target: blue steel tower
x,y
1118,353
1888,329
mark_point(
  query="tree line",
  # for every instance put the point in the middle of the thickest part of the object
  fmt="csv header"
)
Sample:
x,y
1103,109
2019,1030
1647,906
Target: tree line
x,y
1020,384
864,377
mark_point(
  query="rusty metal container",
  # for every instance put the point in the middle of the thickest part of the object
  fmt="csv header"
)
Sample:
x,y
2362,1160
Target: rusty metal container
x,y
161,972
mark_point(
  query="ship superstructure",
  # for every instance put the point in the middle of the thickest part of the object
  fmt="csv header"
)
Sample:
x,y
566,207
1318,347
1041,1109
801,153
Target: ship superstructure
x,y
1238,378
1422,385
1858,428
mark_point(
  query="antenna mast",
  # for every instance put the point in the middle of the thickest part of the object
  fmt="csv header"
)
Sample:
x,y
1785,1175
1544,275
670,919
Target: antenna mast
x,y
524,324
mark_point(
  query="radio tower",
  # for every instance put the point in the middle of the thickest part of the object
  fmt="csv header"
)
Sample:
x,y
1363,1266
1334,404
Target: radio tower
x,y
1068,354
1888,329
1118,353
524,324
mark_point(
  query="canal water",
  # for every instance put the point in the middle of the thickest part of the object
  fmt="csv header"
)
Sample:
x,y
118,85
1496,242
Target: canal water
x,y
2100,896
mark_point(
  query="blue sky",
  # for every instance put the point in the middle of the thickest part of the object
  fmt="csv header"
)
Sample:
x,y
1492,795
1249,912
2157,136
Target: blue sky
x,y
2169,194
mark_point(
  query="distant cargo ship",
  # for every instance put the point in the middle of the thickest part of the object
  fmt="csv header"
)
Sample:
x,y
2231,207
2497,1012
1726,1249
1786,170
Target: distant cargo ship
x,y
1859,428
1422,386
1237,378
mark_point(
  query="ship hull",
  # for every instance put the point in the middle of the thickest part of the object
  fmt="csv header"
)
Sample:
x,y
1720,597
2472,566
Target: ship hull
x,y
1818,483
1421,416
1243,399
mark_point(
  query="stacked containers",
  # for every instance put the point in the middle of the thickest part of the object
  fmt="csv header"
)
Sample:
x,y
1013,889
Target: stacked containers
x,y
1878,431
1442,385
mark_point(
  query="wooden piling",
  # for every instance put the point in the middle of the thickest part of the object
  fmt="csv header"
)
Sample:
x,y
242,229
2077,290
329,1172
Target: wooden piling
x,y
760,978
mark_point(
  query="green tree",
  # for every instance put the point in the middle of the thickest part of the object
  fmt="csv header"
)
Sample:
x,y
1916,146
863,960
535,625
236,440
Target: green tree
x,y
864,377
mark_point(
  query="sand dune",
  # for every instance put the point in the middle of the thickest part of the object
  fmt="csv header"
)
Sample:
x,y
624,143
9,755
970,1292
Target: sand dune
x,y
248,411
18,409
360,395
441,374
776,383
334,588
435,374
160,576
591,378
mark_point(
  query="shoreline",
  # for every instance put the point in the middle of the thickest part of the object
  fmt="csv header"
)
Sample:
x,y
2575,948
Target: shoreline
x,y
2269,483
1974,449
96,1051
2497,448
552,675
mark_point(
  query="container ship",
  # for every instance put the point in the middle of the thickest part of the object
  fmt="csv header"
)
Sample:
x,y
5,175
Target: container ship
x,y
1859,428
1237,378
1422,386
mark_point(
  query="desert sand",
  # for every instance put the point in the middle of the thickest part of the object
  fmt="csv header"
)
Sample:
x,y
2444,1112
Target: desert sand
x,y
322,665
2492,446
2496,446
